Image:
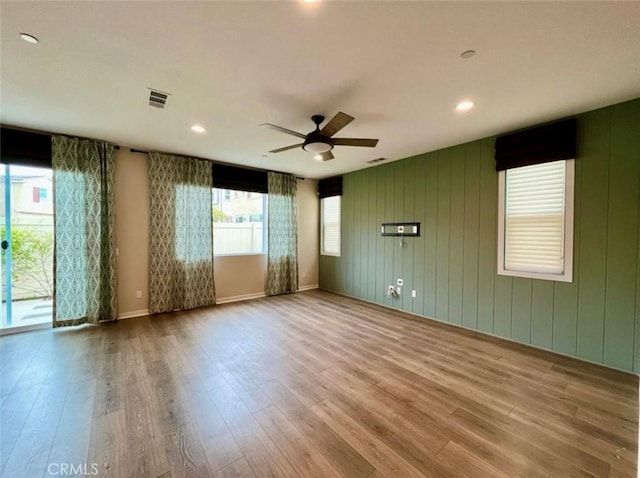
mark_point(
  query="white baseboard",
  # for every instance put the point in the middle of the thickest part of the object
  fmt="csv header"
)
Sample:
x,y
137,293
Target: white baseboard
x,y
219,300
256,295
133,313
308,287
237,298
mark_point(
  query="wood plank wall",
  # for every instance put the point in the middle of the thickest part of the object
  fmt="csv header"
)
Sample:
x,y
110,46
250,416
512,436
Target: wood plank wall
x,y
452,266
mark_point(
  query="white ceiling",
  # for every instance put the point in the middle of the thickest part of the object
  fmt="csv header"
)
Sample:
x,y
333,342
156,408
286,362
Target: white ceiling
x,y
230,66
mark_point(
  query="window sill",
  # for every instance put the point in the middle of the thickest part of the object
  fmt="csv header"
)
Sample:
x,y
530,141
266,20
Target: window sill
x,y
567,277
240,254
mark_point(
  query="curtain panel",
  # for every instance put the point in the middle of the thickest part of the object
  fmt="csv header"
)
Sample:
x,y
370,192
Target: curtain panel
x,y
181,234
282,255
84,261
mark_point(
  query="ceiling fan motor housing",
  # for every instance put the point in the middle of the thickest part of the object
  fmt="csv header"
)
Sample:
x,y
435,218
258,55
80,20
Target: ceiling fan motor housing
x,y
317,143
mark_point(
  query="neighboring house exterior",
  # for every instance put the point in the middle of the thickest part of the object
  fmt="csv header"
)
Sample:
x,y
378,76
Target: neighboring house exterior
x,y
31,215
31,200
239,206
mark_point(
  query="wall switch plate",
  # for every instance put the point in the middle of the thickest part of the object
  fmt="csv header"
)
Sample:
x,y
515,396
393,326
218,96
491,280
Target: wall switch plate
x,y
138,294
398,290
414,294
400,282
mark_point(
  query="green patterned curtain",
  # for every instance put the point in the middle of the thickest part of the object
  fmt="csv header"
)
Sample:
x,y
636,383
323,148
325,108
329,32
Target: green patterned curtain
x,y
282,257
181,233
85,272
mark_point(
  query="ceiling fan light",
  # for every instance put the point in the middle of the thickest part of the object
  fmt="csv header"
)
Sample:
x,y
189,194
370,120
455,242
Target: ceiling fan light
x,y
317,147
465,105
318,157
29,38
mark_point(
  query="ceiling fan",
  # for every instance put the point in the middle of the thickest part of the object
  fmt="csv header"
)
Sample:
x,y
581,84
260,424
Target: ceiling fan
x,y
320,141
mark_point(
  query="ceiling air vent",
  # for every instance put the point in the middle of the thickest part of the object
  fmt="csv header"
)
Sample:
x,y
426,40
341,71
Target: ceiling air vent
x,y
377,160
158,99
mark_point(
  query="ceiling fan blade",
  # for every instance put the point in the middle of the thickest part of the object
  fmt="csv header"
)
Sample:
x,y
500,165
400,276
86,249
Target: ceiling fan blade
x,y
284,130
339,121
327,156
368,143
286,148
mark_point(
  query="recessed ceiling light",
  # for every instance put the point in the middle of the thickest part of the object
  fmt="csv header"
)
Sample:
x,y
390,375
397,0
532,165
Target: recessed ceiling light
x,y
29,38
309,1
464,105
196,128
318,157
465,55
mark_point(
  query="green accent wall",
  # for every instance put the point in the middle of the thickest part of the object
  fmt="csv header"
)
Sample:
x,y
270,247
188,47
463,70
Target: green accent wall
x,y
452,265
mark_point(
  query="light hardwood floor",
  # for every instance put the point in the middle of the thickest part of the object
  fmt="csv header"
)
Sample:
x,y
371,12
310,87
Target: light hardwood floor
x,y
307,385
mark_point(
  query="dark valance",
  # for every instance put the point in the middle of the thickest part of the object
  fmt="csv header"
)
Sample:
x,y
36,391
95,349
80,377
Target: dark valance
x,y
330,187
239,179
25,148
543,144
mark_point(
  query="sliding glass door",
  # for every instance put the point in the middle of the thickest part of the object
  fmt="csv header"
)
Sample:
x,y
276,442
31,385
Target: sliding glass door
x,y
26,230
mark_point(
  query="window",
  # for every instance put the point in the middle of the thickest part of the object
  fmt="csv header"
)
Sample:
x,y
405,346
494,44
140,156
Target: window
x,y
330,213
39,194
535,214
238,223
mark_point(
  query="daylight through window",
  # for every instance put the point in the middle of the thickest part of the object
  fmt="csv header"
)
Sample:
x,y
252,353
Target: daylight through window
x,y
238,222
536,221
330,225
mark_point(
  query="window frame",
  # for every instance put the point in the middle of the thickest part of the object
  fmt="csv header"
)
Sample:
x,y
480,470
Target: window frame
x,y
568,239
323,252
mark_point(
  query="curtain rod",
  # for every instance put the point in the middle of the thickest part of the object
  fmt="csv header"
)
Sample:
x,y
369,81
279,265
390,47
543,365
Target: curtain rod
x,y
133,150
116,146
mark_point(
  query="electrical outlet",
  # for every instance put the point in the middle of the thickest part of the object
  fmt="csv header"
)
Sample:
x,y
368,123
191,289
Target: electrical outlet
x,y
303,275
138,294
414,294
400,282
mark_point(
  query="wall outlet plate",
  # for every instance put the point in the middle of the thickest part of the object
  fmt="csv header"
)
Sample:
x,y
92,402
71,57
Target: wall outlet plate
x,y
414,294
400,282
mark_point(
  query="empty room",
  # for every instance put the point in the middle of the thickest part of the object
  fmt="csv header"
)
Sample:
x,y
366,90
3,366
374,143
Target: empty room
x,y
319,238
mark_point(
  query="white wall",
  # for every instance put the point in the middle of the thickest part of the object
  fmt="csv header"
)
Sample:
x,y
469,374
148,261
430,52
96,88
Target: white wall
x,y
132,231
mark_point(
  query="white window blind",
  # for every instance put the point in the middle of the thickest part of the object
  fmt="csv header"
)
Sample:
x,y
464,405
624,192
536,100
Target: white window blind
x,y
534,218
331,225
